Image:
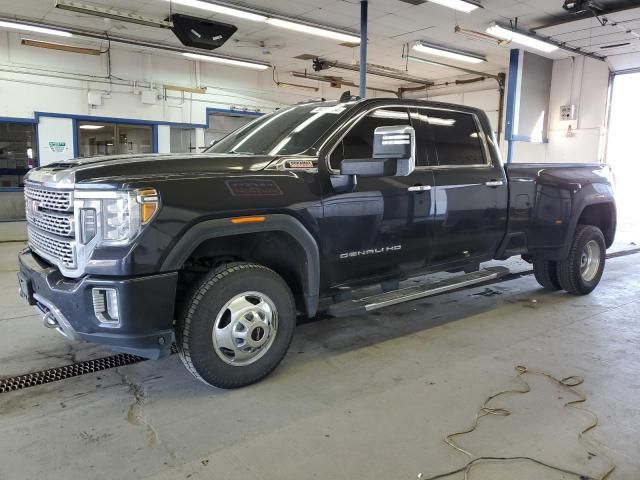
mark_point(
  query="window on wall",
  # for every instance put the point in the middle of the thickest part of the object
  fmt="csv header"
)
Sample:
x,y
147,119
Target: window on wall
x,y
222,124
98,139
18,153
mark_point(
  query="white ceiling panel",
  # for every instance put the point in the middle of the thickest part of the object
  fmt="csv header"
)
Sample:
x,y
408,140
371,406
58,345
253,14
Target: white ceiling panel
x,y
392,24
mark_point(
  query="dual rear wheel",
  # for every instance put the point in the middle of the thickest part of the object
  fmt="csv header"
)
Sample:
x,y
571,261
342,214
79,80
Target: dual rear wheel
x,y
581,272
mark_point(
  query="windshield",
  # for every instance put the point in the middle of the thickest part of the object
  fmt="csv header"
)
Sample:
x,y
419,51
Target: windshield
x,y
289,131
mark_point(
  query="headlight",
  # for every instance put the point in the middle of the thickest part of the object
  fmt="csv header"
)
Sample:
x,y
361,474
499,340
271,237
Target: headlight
x,y
115,218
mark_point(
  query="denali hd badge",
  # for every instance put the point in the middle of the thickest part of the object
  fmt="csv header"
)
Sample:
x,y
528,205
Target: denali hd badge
x,y
371,251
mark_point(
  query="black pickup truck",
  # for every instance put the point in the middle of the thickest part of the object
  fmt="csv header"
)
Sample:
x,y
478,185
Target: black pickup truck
x,y
219,251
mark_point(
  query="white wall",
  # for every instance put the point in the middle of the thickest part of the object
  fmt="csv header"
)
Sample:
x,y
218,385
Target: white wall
x,y
33,79
583,82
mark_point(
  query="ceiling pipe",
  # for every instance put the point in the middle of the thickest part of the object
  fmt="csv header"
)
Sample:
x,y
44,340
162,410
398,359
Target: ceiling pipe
x,y
129,40
448,65
338,82
320,64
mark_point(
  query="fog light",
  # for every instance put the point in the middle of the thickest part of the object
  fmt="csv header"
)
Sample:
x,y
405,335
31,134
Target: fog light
x,y
105,306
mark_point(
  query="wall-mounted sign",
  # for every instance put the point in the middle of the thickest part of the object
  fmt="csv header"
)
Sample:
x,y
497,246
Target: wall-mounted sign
x,y
58,146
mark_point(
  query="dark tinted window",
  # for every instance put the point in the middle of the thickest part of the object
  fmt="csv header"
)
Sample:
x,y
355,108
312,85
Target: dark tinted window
x,y
358,143
456,137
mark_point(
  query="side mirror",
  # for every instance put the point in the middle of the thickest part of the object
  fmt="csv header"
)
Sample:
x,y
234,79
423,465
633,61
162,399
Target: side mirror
x,y
394,154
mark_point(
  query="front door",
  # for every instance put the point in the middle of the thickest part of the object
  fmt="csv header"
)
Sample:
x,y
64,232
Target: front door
x,y
381,228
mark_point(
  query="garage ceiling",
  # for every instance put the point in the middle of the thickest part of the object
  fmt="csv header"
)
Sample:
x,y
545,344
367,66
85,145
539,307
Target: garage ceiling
x,y
614,35
392,24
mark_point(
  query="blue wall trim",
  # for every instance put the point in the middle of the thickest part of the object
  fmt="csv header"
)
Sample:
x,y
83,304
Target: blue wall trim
x,y
131,121
30,121
136,121
512,86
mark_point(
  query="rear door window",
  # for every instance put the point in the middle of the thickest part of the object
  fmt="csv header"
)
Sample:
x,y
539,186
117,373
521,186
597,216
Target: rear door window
x,y
457,137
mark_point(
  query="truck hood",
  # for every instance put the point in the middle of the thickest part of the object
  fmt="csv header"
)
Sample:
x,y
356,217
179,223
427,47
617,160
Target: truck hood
x,y
118,167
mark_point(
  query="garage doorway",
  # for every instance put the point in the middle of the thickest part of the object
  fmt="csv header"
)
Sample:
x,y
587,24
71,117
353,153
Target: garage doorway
x,y
622,152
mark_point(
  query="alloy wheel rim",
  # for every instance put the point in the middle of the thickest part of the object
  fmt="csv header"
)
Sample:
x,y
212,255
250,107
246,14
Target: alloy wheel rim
x,y
590,260
245,328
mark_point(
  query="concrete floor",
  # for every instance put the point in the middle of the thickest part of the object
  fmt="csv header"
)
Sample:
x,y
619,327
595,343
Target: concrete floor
x,y
365,397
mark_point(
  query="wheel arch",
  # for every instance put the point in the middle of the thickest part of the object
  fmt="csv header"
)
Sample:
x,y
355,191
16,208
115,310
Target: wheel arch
x,y
601,214
298,256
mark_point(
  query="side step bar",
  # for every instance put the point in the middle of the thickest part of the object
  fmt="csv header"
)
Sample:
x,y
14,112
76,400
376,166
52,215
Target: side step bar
x,y
375,302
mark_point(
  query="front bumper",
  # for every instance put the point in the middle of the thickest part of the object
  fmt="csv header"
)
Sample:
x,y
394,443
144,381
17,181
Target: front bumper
x,y
146,306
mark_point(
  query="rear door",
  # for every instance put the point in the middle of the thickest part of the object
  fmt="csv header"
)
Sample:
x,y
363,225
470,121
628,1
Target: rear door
x,y
470,188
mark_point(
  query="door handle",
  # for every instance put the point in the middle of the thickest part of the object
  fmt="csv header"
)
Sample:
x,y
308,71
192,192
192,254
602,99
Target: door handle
x,y
494,183
419,188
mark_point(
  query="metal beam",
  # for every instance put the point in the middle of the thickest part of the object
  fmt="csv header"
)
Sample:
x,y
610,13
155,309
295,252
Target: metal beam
x,y
320,64
364,12
457,67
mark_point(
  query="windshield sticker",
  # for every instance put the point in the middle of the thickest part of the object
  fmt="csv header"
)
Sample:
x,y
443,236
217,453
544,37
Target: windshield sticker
x,y
335,109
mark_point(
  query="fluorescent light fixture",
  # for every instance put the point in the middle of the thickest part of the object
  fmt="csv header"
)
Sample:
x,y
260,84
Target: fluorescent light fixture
x,y
222,9
459,55
111,13
465,6
90,127
520,38
259,16
311,30
33,28
227,61
60,46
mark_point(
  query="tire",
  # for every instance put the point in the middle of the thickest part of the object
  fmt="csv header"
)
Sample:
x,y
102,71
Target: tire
x,y
581,272
546,273
237,326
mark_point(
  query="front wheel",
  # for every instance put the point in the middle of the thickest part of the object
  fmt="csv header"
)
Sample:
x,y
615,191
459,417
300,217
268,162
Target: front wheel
x,y
237,326
581,272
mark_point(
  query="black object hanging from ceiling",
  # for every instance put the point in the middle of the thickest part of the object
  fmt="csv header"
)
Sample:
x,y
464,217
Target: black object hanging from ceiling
x,y
199,33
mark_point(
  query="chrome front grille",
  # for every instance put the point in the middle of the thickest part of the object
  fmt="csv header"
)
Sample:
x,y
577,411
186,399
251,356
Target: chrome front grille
x,y
58,200
52,248
51,222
